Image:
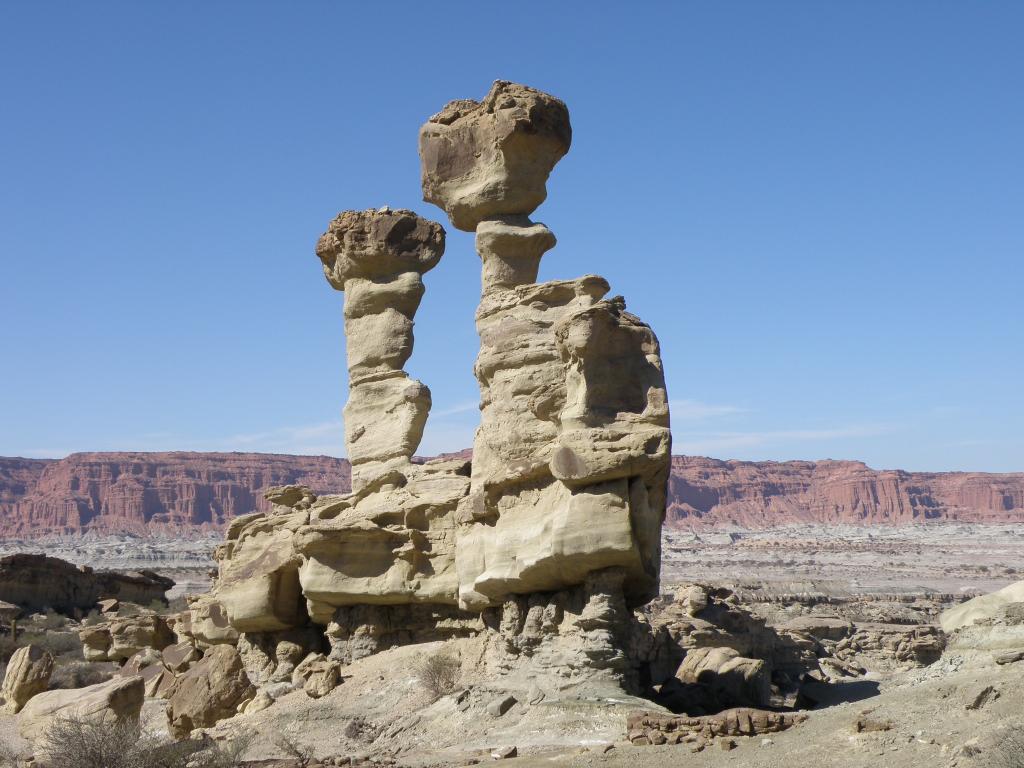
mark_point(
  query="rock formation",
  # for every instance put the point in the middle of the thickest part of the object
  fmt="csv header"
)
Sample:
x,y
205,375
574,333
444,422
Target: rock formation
x,y
543,542
37,582
571,457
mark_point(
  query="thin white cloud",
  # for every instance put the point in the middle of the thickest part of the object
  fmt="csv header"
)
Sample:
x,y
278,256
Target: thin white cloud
x,y
720,443
695,410
469,406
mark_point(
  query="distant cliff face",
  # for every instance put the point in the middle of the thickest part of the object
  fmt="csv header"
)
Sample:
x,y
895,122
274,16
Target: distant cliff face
x,y
188,493
140,492
711,493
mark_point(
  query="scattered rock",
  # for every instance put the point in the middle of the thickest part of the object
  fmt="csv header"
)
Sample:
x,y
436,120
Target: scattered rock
x,y
1009,657
979,698
503,753
501,705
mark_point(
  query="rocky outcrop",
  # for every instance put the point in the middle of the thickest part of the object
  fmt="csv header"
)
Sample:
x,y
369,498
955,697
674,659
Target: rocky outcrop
x,y
149,492
28,673
707,493
646,728
37,582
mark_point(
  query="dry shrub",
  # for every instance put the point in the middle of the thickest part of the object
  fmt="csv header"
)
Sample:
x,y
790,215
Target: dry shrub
x,y
79,674
73,743
1008,751
301,754
439,673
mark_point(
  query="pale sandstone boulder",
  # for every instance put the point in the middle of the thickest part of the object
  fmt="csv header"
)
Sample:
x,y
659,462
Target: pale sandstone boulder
x,y
118,699
391,543
96,642
131,635
209,691
28,673
732,677
258,585
207,623
480,160
322,677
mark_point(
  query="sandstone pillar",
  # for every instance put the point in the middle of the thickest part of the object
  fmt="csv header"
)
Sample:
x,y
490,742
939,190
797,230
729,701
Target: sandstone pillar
x,y
378,258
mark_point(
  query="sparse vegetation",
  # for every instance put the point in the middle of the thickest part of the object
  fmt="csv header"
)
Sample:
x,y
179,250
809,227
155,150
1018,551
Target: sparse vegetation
x,y
72,743
1009,751
439,673
302,756
79,674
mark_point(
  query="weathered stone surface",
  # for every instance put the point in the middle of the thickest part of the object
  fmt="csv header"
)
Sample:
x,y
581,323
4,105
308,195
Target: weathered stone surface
x,y
480,160
28,673
322,677
209,691
117,699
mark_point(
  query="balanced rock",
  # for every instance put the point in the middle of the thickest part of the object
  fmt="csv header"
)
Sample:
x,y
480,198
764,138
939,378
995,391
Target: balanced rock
x,y
28,673
492,158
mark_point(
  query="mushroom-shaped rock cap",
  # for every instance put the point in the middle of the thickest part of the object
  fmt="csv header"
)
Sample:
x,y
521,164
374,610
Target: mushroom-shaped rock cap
x,y
492,158
378,243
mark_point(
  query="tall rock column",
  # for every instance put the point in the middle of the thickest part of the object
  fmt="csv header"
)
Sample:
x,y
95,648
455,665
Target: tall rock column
x,y
558,366
378,257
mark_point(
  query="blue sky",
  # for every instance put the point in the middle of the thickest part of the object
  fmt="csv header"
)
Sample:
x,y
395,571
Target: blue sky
x,y
819,207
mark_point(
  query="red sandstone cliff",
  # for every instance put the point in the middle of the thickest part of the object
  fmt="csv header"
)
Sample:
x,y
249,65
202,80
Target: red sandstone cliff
x,y
711,493
195,492
140,492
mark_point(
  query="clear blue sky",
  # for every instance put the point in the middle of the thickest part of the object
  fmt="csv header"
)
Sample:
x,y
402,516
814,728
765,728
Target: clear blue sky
x,y
819,207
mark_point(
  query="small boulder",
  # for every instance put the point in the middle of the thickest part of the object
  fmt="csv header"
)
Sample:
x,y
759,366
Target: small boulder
x,y
110,605
28,673
501,705
323,678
